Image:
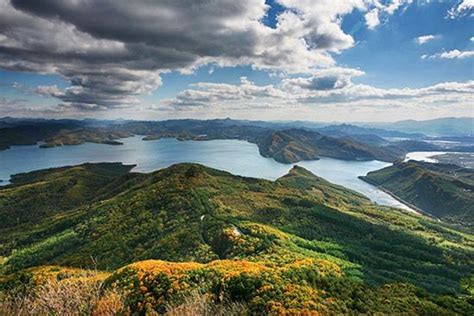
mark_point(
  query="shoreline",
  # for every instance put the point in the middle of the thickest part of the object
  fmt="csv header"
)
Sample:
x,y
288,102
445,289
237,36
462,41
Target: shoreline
x,y
417,210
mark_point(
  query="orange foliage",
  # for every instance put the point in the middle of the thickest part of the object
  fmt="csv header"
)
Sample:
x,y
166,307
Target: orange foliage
x,y
234,267
160,266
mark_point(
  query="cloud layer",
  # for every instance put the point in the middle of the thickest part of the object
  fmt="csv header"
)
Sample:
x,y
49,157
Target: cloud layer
x,y
112,51
331,86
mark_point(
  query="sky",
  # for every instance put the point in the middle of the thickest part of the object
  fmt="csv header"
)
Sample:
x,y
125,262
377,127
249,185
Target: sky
x,y
312,60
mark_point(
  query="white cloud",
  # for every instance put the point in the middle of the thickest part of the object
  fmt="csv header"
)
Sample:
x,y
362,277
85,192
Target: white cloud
x,y
463,8
372,19
329,93
300,102
245,94
382,11
424,39
453,54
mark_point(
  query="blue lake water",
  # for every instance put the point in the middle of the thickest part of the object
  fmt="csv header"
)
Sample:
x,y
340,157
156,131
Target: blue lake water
x,y
237,157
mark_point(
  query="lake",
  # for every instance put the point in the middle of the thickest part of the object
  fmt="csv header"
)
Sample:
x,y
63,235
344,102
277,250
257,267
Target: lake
x,y
238,157
425,156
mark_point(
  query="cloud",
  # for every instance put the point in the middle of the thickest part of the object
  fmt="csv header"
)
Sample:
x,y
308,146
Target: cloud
x,y
111,52
327,79
318,93
424,39
21,108
463,8
453,54
205,94
372,19
382,11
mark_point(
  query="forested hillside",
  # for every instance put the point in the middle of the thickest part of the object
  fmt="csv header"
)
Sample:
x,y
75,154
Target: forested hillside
x,y
298,244
443,190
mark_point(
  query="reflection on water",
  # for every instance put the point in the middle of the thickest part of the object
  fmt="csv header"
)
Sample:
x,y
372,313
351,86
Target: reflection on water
x,y
237,157
425,156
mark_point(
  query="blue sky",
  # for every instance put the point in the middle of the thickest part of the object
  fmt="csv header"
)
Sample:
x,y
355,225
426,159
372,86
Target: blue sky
x,y
390,56
364,68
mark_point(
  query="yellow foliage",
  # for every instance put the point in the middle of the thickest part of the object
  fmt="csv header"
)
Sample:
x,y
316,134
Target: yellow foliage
x,y
43,274
160,266
230,268
325,267
260,229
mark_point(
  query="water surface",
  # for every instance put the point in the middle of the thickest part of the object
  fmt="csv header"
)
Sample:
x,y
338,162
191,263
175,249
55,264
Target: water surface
x,y
237,157
426,156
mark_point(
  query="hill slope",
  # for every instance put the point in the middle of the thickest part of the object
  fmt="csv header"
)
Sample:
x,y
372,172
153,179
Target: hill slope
x,y
296,244
295,145
446,191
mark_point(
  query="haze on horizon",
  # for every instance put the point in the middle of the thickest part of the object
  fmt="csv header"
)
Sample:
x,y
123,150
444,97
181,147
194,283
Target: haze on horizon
x,y
325,60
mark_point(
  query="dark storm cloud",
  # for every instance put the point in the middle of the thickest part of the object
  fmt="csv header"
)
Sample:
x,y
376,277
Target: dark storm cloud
x,y
196,27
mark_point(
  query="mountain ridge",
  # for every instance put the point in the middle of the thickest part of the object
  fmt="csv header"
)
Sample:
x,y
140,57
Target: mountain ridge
x,y
444,190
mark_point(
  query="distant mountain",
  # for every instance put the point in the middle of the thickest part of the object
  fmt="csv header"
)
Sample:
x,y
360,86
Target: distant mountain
x,y
297,245
407,146
28,134
450,126
351,130
446,191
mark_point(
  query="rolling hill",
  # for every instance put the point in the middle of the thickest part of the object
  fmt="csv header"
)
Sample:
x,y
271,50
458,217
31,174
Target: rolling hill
x,y
295,245
443,190
295,145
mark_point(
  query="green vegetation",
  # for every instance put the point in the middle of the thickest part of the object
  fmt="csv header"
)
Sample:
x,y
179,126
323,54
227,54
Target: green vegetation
x,y
38,195
296,245
82,135
445,191
296,145
27,135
